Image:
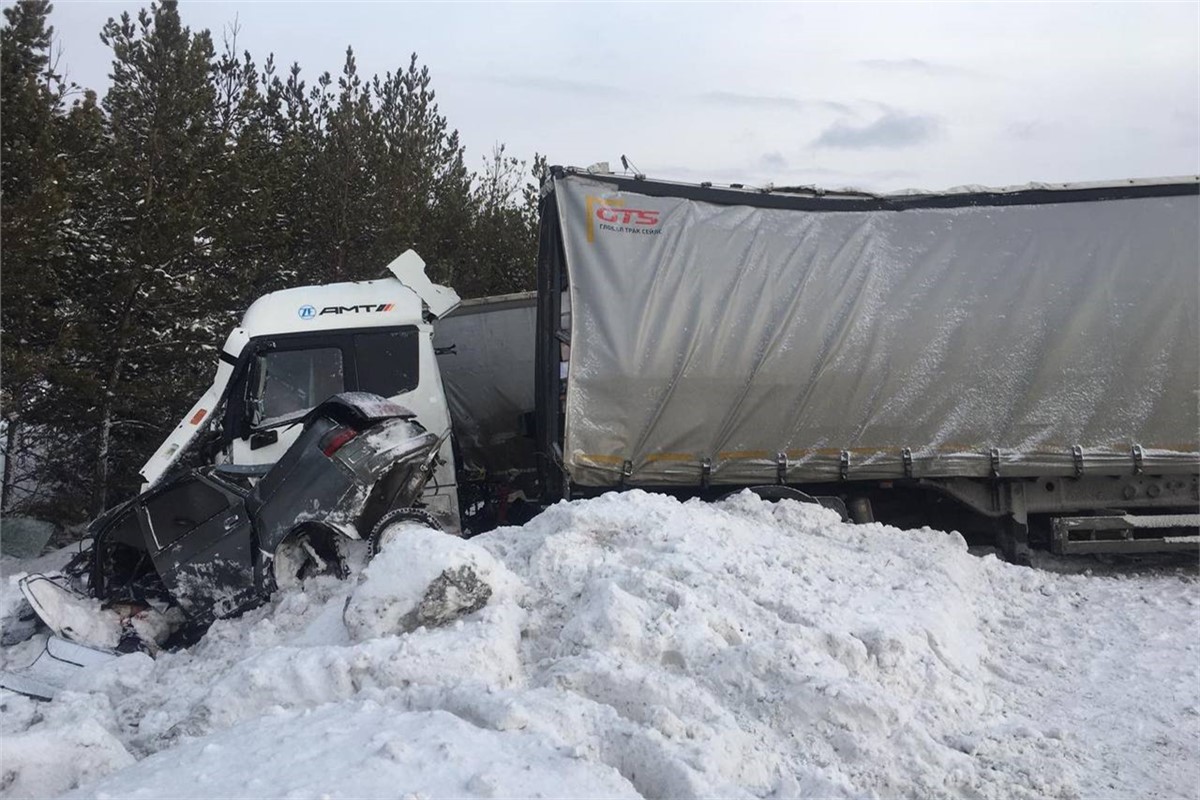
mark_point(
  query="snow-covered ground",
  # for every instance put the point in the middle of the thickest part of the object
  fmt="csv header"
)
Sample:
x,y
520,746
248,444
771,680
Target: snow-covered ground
x,y
634,645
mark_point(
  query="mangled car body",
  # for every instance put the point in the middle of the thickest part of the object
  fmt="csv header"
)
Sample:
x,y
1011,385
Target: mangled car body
x,y
214,541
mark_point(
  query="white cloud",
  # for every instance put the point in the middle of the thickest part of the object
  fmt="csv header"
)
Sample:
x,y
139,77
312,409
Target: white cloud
x,y
893,129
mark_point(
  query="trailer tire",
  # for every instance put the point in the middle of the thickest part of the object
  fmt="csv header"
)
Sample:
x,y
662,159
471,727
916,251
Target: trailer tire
x,y
379,533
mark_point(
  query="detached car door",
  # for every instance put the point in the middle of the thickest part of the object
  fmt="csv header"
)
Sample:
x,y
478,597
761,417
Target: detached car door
x,y
201,541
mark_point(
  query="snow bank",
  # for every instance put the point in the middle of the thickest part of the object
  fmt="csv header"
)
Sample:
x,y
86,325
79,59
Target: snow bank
x,y
364,749
422,578
47,760
635,645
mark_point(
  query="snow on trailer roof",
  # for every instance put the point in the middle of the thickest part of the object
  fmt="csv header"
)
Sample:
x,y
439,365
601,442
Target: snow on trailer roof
x,y
851,199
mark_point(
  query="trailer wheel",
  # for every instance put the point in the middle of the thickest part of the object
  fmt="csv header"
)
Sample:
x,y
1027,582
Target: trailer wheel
x,y
384,529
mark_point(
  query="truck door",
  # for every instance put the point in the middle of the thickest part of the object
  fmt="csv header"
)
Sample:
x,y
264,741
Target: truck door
x,y
201,541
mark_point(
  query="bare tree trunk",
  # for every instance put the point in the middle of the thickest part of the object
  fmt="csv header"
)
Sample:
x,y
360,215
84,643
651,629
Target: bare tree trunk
x,y
100,493
10,447
108,405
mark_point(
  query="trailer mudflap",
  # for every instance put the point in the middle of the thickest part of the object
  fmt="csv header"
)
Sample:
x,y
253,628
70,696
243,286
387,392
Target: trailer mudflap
x,y
1125,533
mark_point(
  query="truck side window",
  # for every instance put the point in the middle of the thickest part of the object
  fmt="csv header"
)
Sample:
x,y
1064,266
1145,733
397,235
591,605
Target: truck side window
x,y
387,361
289,382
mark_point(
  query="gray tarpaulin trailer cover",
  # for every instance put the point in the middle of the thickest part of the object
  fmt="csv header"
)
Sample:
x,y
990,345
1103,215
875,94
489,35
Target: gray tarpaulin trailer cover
x,y
725,335
485,353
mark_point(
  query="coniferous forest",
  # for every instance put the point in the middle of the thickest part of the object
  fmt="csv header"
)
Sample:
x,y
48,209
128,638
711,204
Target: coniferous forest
x,y
138,225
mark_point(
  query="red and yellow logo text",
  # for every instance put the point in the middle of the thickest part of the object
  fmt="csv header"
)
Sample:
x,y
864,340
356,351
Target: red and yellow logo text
x,y
611,214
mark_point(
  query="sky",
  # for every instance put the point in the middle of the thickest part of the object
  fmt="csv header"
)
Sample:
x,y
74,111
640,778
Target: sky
x,y
882,96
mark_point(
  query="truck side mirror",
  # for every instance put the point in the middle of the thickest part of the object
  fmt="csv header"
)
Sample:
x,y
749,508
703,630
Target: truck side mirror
x,y
264,438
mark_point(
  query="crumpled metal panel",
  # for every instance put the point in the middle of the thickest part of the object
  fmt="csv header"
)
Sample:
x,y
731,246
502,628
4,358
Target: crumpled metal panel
x,y
983,339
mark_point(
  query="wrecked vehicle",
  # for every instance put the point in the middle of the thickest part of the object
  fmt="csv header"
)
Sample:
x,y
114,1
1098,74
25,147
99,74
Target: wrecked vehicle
x,y
215,541
1017,364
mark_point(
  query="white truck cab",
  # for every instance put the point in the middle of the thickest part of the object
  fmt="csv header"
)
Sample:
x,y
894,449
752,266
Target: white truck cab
x,y
296,347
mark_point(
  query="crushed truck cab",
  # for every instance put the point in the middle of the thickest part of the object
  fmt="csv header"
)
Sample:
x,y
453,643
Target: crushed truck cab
x,y
296,347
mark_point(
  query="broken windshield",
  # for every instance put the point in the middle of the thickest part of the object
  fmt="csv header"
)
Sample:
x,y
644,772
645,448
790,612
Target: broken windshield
x,y
291,382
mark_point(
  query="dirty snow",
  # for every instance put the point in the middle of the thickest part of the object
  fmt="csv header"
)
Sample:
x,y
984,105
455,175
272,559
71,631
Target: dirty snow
x,y
635,645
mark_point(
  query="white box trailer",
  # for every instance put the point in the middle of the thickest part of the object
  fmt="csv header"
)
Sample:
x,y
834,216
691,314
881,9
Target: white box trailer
x,y
1027,351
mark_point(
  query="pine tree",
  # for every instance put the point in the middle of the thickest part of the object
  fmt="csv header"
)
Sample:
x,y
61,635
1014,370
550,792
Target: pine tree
x,y
35,200
426,187
250,242
346,189
504,234
136,229
293,134
153,309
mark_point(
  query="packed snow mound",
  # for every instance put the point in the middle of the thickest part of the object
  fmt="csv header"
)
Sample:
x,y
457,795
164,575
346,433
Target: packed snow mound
x,y
636,645
53,759
364,749
422,578
741,655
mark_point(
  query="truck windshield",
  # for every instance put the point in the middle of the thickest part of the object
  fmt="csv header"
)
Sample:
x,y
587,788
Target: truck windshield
x,y
290,382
